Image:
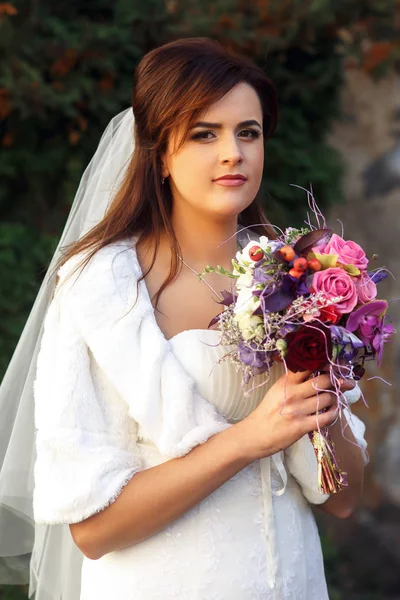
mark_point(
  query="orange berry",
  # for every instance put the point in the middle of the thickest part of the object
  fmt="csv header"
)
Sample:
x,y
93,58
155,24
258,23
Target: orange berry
x,y
314,264
288,253
256,253
300,264
296,273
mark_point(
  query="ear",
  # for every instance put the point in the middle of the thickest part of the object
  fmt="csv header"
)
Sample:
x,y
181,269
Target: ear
x,y
165,157
164,167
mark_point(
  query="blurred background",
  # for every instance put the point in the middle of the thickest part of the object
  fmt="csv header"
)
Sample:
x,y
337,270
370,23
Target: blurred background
x,y
66,69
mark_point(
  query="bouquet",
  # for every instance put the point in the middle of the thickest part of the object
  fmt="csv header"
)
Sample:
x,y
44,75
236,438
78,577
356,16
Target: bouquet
x,y
307,299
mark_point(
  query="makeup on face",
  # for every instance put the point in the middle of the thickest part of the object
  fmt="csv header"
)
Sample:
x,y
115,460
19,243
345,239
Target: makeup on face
x,y
231,180
218,168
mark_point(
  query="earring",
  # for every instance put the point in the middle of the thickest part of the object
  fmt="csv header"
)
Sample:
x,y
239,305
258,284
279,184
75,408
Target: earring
x,y
162,180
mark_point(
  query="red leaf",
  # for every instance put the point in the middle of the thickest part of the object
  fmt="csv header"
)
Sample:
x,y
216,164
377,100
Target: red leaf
x,y
306,242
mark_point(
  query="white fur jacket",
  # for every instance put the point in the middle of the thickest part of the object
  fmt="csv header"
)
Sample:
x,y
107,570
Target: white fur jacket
x,y
105,369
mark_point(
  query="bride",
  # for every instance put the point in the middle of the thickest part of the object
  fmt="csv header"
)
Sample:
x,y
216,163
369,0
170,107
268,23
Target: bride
x,y
153,476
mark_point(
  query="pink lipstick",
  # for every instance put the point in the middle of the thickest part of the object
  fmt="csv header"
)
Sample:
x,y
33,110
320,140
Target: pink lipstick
x,y
231,180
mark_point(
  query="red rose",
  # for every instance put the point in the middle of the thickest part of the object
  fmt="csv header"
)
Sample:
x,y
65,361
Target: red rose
x,y
309,348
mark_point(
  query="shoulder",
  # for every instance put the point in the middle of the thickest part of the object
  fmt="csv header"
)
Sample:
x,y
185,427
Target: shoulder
x,y
118,256
117,259
113,271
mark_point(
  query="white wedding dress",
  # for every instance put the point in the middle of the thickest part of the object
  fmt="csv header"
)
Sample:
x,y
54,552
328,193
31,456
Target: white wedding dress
x,y
244,541
113,397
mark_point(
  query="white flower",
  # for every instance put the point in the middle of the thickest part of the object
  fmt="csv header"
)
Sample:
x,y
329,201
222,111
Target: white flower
x,y
269,246
251,326
246,303
264,242
243,257
244,280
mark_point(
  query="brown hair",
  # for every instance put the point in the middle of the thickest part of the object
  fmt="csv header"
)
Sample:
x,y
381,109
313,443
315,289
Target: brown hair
x,y
172,85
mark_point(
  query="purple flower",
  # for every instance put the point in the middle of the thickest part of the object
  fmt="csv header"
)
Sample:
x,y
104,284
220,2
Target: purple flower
x,y
377,276
296,286
366,318
228,298
249,355
342,337
350,343
274,301
280,298
382,336
287,328
260,276
369,322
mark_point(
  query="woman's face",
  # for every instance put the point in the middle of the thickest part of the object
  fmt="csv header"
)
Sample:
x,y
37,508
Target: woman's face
x,y
227,140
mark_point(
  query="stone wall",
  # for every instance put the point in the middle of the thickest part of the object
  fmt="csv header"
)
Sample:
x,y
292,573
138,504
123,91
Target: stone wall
x,y
368,137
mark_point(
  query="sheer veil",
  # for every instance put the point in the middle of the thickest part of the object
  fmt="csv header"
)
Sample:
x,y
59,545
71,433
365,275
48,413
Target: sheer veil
x,y
45,555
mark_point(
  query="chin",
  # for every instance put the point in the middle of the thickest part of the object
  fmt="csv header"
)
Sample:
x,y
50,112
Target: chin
x,y
232,206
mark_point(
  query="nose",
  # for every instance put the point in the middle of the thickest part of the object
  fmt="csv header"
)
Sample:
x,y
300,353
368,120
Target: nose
x,y
231,153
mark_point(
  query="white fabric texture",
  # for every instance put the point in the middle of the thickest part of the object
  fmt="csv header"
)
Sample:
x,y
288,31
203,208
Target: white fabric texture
x,y
31,553
112,397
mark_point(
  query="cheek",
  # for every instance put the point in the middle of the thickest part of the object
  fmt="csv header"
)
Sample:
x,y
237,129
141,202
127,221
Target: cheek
x,y
255,160
191,170
254,168
191,174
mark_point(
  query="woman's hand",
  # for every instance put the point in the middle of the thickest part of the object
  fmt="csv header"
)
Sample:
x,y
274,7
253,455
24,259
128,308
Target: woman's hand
x,y
288,411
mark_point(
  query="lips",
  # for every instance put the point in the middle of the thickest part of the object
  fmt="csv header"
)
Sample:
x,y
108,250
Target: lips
x,y
231,180
231,177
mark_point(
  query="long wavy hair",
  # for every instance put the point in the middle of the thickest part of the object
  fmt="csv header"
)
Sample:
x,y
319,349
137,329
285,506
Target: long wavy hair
x,y
172,86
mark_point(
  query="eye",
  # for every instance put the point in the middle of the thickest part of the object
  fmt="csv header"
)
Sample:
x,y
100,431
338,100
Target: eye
x,y
202,135
250,133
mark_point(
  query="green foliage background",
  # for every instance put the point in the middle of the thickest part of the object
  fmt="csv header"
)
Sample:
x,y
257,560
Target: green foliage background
x,y
66,69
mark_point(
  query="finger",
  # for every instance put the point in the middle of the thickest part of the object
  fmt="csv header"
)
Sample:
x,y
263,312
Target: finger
x,y
327,418
320,383
318,403
309,406
323,419
299,377
347,384
325,401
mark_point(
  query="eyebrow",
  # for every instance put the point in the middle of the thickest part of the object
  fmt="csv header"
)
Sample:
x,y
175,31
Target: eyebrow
x,y
248,123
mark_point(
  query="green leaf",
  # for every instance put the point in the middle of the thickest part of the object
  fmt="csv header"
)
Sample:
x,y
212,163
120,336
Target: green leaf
x,y
327,260
351,270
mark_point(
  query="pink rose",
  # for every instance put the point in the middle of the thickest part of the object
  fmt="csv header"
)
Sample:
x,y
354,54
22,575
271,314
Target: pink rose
x,y
320,246
336,282
366,288
349,253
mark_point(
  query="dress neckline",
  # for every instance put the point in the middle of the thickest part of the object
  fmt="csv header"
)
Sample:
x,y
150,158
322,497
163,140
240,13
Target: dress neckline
x,y
190,331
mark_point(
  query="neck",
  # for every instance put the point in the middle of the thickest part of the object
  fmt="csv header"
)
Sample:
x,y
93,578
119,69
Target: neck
x,y
204,242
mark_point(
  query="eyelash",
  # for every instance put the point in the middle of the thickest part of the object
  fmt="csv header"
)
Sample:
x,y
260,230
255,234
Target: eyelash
x,y
200,134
